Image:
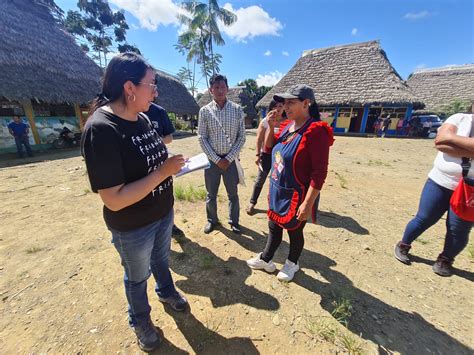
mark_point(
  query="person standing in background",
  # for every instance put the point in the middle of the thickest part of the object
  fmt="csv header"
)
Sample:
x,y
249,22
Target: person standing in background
x,y
221,132
20,130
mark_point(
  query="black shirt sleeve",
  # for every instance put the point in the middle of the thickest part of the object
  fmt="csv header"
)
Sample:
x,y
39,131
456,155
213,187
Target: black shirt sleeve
x,y
167,127
101,150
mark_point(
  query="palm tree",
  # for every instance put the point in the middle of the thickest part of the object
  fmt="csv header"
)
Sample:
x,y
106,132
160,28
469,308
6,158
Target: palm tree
x,y
204,18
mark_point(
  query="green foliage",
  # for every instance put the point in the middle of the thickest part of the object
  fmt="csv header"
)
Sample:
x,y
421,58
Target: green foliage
x,y
342,310
202,33
189,193
456,106
34,250
98,29
255,92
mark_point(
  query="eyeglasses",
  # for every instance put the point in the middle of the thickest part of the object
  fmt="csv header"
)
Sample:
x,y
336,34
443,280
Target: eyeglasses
x,y
153,86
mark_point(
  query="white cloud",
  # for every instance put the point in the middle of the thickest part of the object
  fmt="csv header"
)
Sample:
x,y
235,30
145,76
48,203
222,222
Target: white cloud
x,y
413,16
285,53
420,66
354,31
267,53
251,22
151,13
269,79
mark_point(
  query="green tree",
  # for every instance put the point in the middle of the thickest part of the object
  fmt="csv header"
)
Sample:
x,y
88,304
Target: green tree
x,y
456,106
98,29
201,20
255,92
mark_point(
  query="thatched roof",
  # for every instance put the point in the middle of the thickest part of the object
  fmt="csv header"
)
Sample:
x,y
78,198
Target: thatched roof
x,y
354,74
441,86
236,94
173,96
38,60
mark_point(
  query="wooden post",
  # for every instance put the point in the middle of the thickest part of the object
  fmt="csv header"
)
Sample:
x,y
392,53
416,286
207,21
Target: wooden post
x,y
28,108
77,110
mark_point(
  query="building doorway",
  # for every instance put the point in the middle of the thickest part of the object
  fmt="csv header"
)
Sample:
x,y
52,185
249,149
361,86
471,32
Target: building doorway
x,y
374,113
356,119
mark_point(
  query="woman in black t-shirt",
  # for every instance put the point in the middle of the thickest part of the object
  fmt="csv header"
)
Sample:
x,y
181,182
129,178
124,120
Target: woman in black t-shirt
x,y
128,165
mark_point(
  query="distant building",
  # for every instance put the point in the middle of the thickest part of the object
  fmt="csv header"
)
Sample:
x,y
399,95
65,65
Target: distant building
x,y
354,85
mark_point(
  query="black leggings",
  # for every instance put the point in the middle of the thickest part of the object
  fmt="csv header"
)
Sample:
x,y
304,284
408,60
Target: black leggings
x,y
274,240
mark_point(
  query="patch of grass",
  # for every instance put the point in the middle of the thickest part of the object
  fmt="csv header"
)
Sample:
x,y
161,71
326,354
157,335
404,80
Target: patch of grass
x,y
342,180
33,250
325,329
86,191
422,241
207,262
189,193
350,343
470,251
322,329
342,310
378,162
184,220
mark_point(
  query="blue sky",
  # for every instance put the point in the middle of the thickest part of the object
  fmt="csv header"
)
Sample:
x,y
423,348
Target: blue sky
x,y
271,35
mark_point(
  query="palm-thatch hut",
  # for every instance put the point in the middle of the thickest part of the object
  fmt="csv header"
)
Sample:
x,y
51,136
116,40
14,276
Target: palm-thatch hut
x,y
238,95
174,97
354,85
439,87
45,75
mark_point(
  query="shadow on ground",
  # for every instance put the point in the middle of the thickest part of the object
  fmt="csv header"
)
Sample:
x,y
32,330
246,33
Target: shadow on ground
x,y
389,327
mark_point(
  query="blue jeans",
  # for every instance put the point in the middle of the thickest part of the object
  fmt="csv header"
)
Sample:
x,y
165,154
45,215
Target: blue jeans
x,y
434,202
20,142
212,178
144,251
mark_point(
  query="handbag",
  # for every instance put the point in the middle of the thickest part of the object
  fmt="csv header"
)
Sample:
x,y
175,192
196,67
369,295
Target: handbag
x,y
462,199
240,170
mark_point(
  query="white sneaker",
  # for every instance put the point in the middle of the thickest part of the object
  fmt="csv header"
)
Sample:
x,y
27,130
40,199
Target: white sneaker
x,y
259,264
288,271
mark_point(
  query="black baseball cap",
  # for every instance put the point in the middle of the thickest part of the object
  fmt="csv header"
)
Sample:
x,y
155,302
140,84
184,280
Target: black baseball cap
x,y
300,91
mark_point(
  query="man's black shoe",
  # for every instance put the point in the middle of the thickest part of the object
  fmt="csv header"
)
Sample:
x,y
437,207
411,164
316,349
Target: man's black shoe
x,y
176,232
235,228
210,227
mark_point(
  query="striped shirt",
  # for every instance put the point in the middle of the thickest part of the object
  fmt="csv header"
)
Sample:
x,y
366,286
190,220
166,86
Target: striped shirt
x,y
212,138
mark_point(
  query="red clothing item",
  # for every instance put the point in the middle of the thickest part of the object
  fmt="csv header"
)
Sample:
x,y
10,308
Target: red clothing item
x,y
312,157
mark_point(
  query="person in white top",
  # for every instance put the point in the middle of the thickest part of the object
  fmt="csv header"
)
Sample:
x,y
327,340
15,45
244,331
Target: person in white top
x,y
264,157
455,140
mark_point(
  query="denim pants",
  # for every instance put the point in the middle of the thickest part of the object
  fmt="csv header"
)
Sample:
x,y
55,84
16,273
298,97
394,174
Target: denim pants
x,y
212,178
144,251
265,163
434,202
20,142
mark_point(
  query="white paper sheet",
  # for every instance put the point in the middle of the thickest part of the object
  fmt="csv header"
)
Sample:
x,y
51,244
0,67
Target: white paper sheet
x,y
197,162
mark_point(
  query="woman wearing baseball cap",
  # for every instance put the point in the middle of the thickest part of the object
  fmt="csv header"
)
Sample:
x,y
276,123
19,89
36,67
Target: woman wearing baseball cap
x,y
300,156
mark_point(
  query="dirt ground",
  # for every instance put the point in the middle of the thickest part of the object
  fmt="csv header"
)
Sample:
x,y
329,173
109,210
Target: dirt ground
x,y
61,283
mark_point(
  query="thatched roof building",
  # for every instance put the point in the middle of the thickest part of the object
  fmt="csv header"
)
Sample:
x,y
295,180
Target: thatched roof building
x,y
439,87
173,95
238,95
354,74
354,85
41,61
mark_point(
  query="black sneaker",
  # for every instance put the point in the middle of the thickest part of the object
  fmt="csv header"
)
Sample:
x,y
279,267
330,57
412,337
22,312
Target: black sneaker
x,y
235,228
443,266
401,252
176,232
209,227
147,337
177,301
